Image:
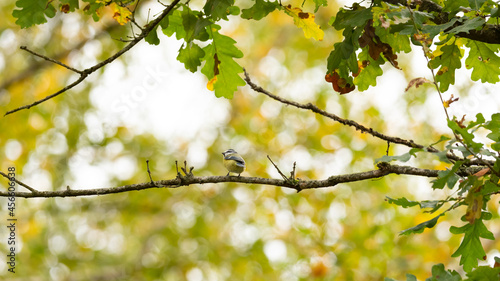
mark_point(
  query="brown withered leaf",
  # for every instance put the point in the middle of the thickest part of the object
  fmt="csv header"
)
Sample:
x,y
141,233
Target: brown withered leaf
x,y
65,8
376,46
339,84
389,55
216,65
461,122
417,82
303,15
482,172
368,39
451,100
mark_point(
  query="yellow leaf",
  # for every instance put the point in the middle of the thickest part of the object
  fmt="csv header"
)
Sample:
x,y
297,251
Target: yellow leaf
x,y
210,84
306,22
120,14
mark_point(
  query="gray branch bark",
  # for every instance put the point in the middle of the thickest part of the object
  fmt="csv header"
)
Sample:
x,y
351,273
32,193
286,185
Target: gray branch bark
x,y
384,169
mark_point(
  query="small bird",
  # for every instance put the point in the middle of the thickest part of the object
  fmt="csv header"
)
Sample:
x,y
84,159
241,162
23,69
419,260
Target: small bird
x,y
233,162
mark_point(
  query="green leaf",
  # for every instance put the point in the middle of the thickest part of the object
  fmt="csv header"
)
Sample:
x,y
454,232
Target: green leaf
x,y
434,30
441,139
218,9
233,10
495,12
320,3
343,56
191,56
421,226
386,158
403,202
417,17
439,273
72,4
479,121
186,24
467,25
93,7
410,277
494,127
352,18
483,61
368,76
172,24
152,37
466,135
449,61
471,249
455,6
259,10
447,177
476,4
397,41
33,12
484,273
489,187
220,68
402,158
193,24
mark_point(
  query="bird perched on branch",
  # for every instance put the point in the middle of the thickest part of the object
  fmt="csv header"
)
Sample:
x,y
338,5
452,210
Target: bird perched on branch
x,y
233,162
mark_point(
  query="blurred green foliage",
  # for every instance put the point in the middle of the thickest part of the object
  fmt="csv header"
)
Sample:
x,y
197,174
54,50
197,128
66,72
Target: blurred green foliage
x,y
224,231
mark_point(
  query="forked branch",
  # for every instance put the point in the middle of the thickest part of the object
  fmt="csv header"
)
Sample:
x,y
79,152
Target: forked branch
x,y
86,72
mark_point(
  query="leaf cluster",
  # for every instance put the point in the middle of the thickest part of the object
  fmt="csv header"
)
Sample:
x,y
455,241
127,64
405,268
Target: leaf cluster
x,y
374,35
473,187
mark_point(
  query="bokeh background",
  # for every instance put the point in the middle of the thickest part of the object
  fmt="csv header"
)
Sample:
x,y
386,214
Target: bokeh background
x,y
147,106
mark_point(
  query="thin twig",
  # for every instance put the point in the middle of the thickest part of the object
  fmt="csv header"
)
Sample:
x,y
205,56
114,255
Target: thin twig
x,y
20,183
279,171
425,48
292,173
149,172
83,74
51,60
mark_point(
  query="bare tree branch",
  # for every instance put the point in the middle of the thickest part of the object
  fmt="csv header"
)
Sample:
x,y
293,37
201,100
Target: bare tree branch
x,y
83,74
347,122
357,126
37,65
299,185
